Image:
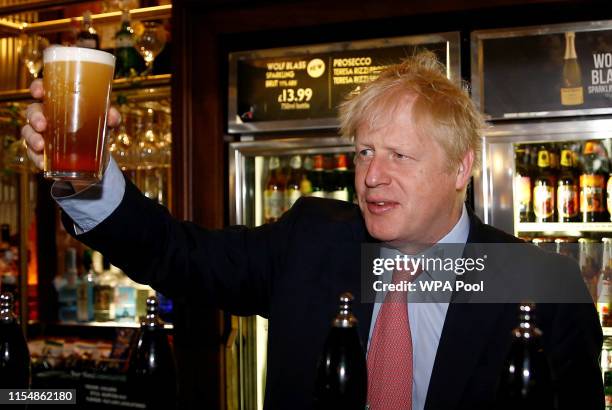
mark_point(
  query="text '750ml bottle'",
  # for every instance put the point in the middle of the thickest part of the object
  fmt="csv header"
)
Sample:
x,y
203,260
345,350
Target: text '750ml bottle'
x,y
342,378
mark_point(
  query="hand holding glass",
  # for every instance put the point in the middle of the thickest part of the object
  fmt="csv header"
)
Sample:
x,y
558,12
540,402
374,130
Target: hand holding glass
x,y
77,83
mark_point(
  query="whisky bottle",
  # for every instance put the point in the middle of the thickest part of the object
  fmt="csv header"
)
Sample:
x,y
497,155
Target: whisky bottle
x,y
342,377
14,353
593,182
572,92
526,377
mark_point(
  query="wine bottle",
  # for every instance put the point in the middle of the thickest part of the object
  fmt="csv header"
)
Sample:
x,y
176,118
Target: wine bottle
x,y
14,353
572,92
526,381
342,376
151,371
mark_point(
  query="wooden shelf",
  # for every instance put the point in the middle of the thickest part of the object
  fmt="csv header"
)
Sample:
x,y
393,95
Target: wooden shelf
x,y
133,325
148,84
560,227
51,26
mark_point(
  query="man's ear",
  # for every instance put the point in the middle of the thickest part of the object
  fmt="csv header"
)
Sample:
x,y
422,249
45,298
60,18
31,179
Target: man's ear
x,y
464,171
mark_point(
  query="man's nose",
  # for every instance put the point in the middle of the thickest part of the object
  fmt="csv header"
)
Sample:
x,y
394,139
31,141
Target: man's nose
x,y
377,173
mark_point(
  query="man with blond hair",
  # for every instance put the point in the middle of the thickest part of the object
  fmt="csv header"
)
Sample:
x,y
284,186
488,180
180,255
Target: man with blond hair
x,y
417,139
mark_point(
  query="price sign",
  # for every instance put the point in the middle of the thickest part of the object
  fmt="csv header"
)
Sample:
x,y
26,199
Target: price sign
x,y
301,87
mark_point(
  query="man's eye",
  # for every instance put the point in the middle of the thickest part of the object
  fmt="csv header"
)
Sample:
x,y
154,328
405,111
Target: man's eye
x,y
365,153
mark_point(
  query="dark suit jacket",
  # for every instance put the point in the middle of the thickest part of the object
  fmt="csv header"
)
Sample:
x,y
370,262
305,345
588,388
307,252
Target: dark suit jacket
x,y
293,271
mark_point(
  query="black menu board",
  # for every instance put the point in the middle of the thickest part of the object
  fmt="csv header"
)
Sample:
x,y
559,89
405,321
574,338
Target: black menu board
x,y
551,71
301,87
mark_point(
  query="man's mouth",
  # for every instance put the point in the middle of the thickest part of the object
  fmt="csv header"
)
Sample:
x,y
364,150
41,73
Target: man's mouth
x,y
380,207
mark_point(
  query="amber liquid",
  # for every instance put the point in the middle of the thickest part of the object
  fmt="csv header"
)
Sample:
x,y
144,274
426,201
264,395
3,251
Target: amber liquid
x,y
76,100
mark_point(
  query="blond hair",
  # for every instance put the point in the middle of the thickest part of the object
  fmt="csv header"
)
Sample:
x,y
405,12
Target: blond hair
x,y
442,109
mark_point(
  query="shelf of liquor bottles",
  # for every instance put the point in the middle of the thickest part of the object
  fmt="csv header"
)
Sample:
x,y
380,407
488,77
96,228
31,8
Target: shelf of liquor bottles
x,y
109,324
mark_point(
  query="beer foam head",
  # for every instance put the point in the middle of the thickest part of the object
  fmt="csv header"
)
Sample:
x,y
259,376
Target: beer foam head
x,y
62,53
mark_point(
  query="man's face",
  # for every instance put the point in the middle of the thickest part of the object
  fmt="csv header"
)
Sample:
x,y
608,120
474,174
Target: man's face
x,y
405,190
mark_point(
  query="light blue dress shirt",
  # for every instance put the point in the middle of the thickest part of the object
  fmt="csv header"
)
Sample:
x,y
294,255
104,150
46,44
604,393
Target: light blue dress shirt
x,y
426,318
94,204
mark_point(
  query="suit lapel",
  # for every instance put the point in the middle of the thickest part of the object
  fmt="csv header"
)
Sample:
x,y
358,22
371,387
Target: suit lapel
x,y
467,329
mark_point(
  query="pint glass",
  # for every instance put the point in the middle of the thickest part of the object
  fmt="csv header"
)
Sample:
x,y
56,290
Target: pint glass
x,y
77,84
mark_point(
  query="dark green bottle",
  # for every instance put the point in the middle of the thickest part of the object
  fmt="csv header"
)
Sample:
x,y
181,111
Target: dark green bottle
x,y
127,58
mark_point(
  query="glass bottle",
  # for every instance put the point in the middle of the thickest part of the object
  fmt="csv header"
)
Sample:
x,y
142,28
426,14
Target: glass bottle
x,y
592,182
340,188
127,58
85,290
125,300
572,92
88,37
523,183
544,189
568,204
526,378
341,379
104,293
66,286
317,180
14,353
151,369
292,187
274,192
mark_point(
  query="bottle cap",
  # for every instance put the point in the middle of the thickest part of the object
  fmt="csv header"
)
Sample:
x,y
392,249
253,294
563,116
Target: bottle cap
x,y
345,317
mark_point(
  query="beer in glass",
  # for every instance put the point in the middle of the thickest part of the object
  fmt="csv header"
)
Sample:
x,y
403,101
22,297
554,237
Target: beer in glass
x,y
77,84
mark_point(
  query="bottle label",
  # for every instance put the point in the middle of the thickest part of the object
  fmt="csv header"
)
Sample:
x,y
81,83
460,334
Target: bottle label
x,y
567,201
572,96
523,192
543,201
86,42
591,193
543,159
305,186
124,41
566,158
341,195
291,196
273,204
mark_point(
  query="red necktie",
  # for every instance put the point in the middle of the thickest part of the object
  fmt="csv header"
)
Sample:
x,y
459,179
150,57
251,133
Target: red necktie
x,y
390,353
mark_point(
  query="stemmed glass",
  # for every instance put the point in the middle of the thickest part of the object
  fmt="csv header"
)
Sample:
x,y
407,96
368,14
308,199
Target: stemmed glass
x,y
150,43
32,48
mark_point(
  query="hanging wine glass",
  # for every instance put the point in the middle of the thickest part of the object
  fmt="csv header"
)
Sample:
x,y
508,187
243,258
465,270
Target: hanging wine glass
x,y
150,41
31,53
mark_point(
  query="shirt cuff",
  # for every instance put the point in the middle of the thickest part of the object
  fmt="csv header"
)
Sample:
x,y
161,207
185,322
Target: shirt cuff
x,y
95,203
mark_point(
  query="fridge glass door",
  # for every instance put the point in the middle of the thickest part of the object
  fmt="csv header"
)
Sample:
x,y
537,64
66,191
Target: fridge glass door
x,y
266,177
